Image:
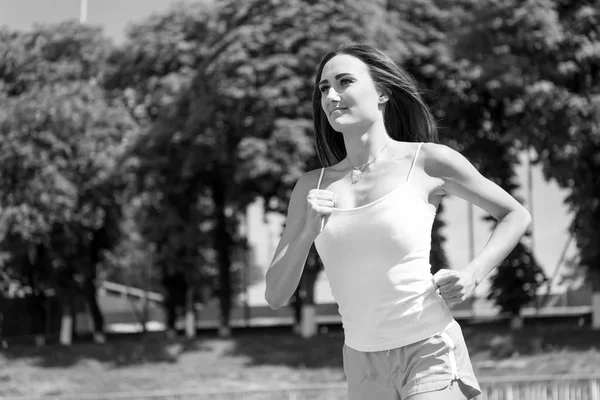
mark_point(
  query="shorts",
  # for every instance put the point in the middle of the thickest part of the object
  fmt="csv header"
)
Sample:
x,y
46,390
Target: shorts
x,y
428,365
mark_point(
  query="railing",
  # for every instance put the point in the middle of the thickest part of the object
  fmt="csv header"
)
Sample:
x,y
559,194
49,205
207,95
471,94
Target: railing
x,y
566,387
208,317
124,290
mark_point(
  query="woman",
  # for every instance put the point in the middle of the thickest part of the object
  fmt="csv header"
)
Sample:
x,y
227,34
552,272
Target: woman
x,y
370,212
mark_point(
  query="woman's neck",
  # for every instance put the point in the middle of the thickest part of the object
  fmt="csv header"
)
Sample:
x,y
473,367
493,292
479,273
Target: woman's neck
x,y
363,148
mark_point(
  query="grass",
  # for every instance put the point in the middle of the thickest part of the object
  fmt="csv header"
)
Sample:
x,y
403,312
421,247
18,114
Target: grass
x,y
266,358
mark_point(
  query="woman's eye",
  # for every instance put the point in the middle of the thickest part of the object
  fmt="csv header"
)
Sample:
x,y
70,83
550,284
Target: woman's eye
x,y
345,82
323,89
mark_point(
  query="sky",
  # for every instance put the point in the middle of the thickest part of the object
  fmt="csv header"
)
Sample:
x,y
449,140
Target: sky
x,y
112,15
551,218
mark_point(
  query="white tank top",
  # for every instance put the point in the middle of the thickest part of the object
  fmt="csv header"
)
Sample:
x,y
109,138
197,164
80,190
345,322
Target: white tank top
x,y
376,259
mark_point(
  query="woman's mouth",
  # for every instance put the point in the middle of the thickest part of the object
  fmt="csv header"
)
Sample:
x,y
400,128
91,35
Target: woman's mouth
x,y
340,109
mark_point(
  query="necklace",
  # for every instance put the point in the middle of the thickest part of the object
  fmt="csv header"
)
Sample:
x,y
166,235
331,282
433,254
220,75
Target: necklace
x,y
357,171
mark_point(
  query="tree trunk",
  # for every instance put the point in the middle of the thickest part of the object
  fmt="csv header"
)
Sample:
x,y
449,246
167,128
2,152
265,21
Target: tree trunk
x,y
171,311
223,247
3,343
37,304
516,322
67,296
596,310
90,293
190,315
308,328
595,278
175,284
39,321
140,315
296,305
66,324
145,314
309,321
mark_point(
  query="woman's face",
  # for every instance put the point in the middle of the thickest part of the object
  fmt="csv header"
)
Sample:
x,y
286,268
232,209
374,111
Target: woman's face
x,y
349,97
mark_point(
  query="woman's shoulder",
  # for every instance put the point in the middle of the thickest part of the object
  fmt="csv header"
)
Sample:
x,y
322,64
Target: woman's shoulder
x,y
309,180
428,152
440,160
437,151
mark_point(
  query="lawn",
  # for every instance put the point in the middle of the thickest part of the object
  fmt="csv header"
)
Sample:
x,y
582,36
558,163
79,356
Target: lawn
x,y
267,358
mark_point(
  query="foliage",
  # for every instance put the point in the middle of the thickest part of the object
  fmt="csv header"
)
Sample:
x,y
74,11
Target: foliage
x,y
421,39
539,62
437,255
59,140
237,125
48,54
516,280
207,107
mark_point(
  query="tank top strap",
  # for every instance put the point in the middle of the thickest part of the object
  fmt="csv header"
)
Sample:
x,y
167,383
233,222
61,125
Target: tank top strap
x,y
414,161
320,178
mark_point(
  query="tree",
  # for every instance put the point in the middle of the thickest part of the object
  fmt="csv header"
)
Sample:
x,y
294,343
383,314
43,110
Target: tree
x,y
303,299
519,276
420,36
237,127
540,62
515,283
437,255
60,137
472,116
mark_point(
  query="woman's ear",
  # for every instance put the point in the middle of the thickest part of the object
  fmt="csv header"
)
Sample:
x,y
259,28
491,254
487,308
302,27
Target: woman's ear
x,y
383,97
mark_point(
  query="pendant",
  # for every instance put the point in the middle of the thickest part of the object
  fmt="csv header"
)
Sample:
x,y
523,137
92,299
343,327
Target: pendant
x,y
355,176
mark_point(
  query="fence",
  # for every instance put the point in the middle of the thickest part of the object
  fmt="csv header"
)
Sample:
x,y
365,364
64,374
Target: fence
x,y
25,317
566,387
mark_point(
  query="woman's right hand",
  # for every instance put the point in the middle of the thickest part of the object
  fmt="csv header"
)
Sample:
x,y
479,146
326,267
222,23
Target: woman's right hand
x,y
319,204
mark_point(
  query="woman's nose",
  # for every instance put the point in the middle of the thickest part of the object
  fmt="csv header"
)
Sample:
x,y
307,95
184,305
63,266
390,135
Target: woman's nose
x,y
332,95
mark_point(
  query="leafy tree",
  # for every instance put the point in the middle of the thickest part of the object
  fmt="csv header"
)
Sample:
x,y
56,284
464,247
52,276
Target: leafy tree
x,y
238,125
56,164
540,63
59,140
472,117
420,36
516,280
304,295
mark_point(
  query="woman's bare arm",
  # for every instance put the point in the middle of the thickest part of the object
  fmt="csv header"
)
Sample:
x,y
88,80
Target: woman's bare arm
x,y
305,211
460,178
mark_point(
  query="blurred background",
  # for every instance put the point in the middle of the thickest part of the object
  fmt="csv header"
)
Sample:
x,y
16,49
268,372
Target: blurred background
x,y
148,149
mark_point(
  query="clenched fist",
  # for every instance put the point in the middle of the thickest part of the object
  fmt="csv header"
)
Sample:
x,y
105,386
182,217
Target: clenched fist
x,y
319,204
454,286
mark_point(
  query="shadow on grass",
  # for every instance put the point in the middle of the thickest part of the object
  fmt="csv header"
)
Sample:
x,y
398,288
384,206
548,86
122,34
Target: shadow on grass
x,y
499,341
119,350
279,346
494,341
282,347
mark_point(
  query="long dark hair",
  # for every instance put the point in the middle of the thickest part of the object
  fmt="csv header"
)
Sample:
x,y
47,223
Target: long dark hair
x,y
407,118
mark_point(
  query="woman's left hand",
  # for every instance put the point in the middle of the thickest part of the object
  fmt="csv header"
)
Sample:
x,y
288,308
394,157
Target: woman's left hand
x,y
453,286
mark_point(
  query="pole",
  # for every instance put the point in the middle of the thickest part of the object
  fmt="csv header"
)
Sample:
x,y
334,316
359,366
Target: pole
x,y
246,270
530,197
471,233
561,259
472,253
83,11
